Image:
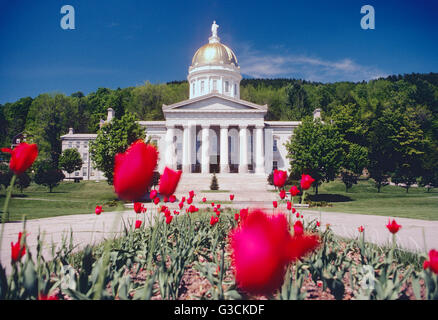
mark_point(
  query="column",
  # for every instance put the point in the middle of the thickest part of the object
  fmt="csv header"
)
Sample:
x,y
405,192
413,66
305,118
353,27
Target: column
x,y
224,149
205,156
170,147
260,158
185,158
243,146
268,150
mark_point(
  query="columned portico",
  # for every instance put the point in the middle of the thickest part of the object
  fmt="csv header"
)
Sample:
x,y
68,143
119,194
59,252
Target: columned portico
x,y
243,142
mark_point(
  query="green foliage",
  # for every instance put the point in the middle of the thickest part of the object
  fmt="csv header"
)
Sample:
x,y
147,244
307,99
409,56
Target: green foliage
x,y
23,181
214,185
70,160
47,175
114,137
316,149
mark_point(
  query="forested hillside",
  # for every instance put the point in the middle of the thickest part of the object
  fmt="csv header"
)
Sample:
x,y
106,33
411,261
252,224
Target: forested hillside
x,y
49,115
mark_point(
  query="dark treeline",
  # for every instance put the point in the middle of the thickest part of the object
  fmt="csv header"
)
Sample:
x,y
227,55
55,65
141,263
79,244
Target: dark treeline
x,y
49,115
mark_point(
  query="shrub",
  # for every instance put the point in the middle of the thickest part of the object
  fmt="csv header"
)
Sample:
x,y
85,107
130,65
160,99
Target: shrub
x,y
214,184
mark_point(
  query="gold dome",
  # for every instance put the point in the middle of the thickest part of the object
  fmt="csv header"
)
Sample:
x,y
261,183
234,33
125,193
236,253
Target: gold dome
x,y
214,53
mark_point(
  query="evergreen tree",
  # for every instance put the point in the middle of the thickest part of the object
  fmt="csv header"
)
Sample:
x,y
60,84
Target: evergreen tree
x,y
214,183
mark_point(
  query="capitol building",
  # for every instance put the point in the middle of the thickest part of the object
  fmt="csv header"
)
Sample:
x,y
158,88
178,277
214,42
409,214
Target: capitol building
x,y
214,130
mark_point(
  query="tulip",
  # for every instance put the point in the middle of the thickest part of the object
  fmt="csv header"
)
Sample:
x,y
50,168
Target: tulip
x,y
169,181
189,200
137,224
275,204
212,204
156,200
243,214
294,210
280,178
218,213
231,197
183,199
298,228
153,194
17,250
262,248
306,181
294,191
361,229
163,208
282,194
289,205
192,209
143,209
218,206
318,224
297,215
138,207
42,296
133,170
175,212
22,157
214,209
169,219
165,199
181,205
393,227
432,263
213,220
236,216
191,194
172,198
98,210
204,199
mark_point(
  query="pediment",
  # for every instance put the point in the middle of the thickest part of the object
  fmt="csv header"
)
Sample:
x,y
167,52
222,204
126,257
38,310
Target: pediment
x,y
214,103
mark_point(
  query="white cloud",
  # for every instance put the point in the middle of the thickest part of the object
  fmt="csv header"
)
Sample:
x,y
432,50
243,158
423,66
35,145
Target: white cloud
x,y
260,65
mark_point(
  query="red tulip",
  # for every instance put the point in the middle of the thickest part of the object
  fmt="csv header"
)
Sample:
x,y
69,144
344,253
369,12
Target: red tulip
x,y
192,209
137,224
231,197
262,247
175,212
218,206
181,205
156,200
306,181
138,207
289,205
294,210
218,213
191,194
167,212
213,220
153,194
280,178
172,198
133,170
243,214
294,191
98,210
165,199
236,216
298,228
282,194
17,250
432,263
361,229
318,223
212,204
163,208
183,199
22,157
42,296
169,181
275,204
214,209
169,219
204,199
189,200
393,227
297,215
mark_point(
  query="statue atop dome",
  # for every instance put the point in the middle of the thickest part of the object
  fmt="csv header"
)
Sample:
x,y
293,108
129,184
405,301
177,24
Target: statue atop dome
x,y
214,28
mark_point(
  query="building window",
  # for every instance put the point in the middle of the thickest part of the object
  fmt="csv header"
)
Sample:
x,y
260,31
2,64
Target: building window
x,y
227,86
76,173
274,165
84,171
275,148
85,144
202,86
84,156
214,85
78,145
70,145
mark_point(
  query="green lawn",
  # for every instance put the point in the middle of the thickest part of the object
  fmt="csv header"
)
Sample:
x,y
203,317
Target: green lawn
x,y
391,201
68,198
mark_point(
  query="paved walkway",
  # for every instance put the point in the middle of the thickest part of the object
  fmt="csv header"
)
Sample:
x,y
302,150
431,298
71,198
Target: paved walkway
x,y
90,228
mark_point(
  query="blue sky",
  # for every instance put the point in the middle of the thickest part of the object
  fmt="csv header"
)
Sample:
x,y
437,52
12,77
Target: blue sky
x,y
125,43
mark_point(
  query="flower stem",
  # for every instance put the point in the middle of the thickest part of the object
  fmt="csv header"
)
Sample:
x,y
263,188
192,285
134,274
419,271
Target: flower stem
x,y
5,217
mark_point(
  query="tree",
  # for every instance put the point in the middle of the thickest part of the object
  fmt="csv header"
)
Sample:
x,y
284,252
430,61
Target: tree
x,y
70,160
298,101
214,184
23,181
316,149
114,137
355,160
47,175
